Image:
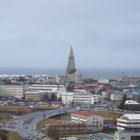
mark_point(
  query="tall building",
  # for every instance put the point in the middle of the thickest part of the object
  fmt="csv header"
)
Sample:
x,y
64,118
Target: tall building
x,y
72,74
71,62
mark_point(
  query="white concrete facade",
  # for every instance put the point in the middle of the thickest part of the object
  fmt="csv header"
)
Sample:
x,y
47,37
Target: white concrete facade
x,y
85,98
47,88
116,96
11,91
129,122
128,127
79,98
86,117
67,97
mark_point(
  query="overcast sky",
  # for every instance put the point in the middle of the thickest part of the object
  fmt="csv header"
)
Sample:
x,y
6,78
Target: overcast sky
x,y
39,33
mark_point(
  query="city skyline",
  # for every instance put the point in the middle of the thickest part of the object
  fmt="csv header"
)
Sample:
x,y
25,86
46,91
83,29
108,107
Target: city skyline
x,y
38,34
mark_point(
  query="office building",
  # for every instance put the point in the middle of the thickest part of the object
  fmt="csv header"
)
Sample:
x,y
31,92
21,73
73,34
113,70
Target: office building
x,y
11,91
128,127
46,88
34,96
96,122
79,98
129,122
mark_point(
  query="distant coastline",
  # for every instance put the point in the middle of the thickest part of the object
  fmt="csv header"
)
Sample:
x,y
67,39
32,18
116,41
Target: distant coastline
x,y
96,73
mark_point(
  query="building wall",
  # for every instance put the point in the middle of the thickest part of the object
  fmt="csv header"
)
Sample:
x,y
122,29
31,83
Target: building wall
x,y
116,97
69,129
82,99
85,98
95,122
105,94
30,96
67,98
11,91
96,98
47,88
92,100
79,98
113,83
128,124
75,76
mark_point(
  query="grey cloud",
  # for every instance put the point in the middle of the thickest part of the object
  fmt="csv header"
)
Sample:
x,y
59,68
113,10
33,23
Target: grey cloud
x,y
130,42
101,26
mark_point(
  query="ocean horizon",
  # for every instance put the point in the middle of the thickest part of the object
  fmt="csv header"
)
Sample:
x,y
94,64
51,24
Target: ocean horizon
x,y
96,73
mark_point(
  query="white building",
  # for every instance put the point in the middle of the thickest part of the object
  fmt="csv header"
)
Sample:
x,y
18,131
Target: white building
x,y
105,94
60,80
11,91
131,102
116,96
67,97
47,88
129,122
87,117
79,98
103,81
128,127
85,98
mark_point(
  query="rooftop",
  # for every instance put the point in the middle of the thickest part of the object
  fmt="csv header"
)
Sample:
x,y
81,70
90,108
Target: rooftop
x,y
131,102
131,116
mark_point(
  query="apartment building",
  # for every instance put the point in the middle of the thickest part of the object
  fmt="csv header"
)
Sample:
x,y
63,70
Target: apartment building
x,y
11,91
46,88
128,127
85,98
79,98
94,121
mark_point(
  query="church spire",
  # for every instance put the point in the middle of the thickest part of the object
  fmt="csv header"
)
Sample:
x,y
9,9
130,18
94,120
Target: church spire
x,y
71,61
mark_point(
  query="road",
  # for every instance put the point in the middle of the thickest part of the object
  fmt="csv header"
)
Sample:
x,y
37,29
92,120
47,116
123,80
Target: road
x,y
26,125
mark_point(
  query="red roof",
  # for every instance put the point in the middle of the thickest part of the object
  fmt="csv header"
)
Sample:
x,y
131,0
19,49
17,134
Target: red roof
x,y
82,113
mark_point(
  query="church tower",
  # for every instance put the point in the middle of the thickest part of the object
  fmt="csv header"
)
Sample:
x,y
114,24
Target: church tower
x,y
72,74
71,62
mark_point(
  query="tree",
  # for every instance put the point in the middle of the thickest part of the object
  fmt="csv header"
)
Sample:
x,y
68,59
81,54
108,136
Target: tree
x,y
53,97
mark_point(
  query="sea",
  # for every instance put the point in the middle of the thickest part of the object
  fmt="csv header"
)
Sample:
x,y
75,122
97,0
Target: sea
x,y
95,73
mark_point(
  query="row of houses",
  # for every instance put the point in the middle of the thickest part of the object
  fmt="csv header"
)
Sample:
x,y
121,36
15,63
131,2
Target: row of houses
x,y
38,92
